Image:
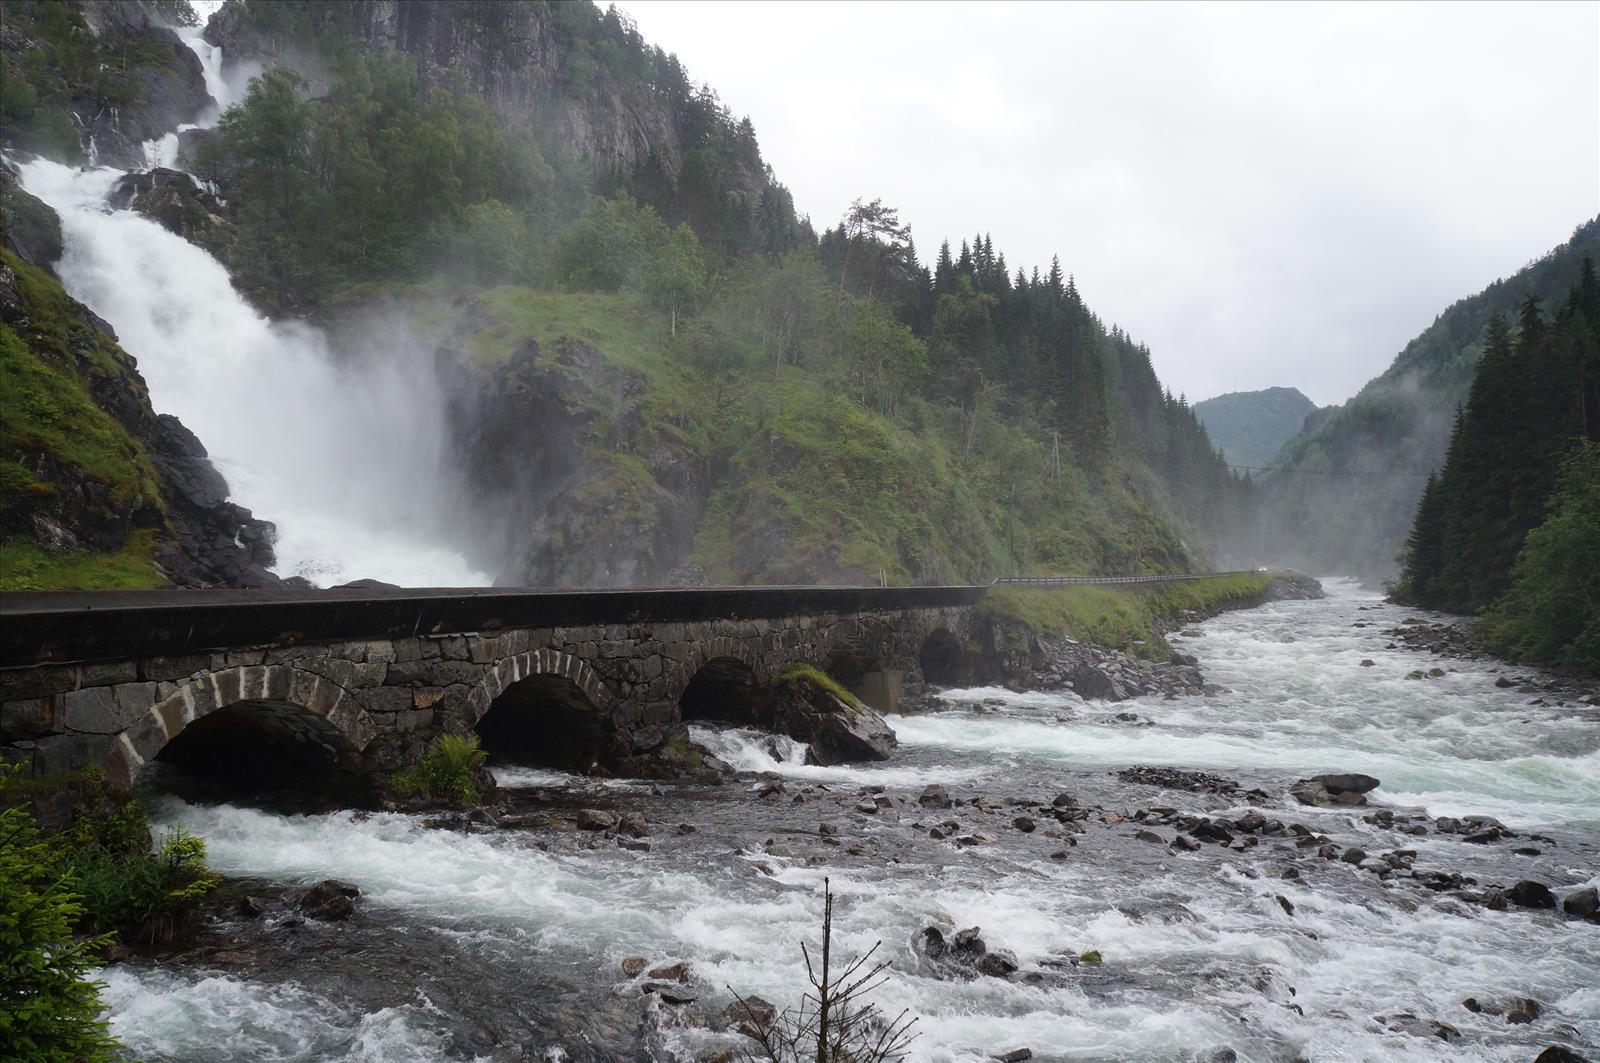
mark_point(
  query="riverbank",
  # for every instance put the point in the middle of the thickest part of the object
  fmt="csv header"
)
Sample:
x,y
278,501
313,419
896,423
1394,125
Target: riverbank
x,y
1111,642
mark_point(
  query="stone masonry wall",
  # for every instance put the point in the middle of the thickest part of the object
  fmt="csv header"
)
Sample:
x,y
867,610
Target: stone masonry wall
x,y
382,700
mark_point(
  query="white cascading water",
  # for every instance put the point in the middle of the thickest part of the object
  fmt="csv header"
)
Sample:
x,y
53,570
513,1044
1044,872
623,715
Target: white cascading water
x,y
344,454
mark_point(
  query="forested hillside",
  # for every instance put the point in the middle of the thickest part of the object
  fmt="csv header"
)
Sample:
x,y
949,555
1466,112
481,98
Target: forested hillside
x,y
1351,483
1250,427
655,371
1516,507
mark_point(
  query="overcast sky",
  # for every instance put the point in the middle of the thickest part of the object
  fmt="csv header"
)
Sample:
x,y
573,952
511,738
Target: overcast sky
x,y
1264,195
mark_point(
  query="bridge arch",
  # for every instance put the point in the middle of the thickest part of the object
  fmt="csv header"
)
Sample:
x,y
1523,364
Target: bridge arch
x,y
221,719
942,658
723,687
543,707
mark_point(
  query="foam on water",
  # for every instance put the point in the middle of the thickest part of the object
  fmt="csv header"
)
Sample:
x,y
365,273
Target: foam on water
x,y
193,1015
1302,703
753,751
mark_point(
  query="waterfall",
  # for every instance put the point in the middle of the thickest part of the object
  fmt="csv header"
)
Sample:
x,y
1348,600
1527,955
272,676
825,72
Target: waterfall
x,y
345,453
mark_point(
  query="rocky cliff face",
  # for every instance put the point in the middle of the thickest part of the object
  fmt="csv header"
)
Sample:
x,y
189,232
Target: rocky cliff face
x,y
514,55
573,496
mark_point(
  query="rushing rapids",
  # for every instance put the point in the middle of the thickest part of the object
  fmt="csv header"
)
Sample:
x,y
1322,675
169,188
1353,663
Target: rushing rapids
x,y
505,941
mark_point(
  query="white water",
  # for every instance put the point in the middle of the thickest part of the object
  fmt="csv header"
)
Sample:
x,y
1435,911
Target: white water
x,y
344,453
1352,950
1302,703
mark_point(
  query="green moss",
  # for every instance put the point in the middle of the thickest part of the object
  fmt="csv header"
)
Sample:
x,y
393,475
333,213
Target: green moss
x,y
46,406
805,675
25,567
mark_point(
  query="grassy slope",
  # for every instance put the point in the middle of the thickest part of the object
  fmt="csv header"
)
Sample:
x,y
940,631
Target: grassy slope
x,y
54,439
814,486
1121,617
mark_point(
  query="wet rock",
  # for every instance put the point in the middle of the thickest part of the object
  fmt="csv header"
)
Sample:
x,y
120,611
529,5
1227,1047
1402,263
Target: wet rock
x,y
1064,801
1185,843
977,837
1354,855
750,1015
1558,1054
1584,904
837,731
670,992
969,943
633,966
671,972
249,907
329,900
1333,789
1367,662
1150,836
633,845
931,943
1493,899
1162,911
595,819
1530,894
633,825
1211,831
1523,1010
1179,779
1016,1055
1024,824
935,796
1001,963
1284,903
869,808
1416,1027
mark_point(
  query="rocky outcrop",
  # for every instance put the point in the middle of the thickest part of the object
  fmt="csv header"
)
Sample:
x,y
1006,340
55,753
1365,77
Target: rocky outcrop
x,y
179,204
214,542
165,80
575,489
837,729
519,58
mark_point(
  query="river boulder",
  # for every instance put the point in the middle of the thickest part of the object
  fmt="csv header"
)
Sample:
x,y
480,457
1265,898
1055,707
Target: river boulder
x,y
1333,789
806,706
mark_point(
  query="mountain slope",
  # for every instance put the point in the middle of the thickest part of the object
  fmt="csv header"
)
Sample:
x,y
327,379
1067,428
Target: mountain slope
x,y
1250,427
647,370
1349,487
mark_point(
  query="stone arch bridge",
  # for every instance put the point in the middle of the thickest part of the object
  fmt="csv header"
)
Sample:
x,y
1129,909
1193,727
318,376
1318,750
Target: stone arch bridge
x,y
361,679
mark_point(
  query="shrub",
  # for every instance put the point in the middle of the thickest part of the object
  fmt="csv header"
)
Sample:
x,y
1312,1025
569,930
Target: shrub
x,y
49,1005
448,772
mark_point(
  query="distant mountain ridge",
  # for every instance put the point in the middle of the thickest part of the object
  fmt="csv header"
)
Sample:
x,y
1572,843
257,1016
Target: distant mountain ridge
x,y
1250,427
1349,485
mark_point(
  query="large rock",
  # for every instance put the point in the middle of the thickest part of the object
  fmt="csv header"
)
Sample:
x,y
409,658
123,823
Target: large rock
x,y
1335,789
179,204
837,730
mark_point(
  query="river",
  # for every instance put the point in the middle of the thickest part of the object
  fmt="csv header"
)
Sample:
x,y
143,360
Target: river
x,y
500,944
